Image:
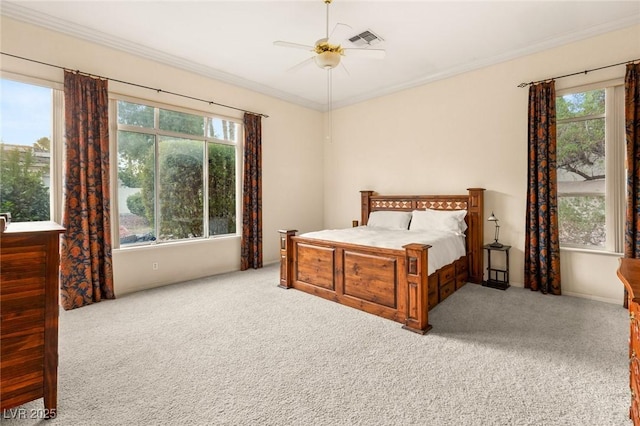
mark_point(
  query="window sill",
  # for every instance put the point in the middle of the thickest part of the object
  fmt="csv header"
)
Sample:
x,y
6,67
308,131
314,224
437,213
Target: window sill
x,y
179,242
591,251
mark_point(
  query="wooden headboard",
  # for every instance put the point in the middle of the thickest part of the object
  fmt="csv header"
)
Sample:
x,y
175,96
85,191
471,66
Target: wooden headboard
x,y
473,202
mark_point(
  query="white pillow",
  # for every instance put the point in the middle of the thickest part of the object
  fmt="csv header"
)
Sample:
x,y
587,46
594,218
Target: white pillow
x,y
444,220
389,219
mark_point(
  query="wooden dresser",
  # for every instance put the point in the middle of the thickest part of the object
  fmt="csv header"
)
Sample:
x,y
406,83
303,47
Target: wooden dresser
x,y
29,265
629,273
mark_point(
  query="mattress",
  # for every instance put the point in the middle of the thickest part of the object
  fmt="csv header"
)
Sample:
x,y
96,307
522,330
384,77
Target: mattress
x,y
446,246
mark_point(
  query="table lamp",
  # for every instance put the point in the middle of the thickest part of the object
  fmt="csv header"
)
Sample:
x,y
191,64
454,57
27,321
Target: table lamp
x,y
494,219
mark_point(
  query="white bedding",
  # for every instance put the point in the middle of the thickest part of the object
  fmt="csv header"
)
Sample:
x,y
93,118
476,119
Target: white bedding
x,y
446,246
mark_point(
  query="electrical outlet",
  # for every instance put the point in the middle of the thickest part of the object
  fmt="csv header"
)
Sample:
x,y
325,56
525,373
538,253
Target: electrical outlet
x,y
154,266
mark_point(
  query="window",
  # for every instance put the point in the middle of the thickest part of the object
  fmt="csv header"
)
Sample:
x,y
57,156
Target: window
x,y
590,165
177,174
27,170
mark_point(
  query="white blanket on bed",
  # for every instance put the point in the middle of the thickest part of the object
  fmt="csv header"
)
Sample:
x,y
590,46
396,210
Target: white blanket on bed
x,y
446,246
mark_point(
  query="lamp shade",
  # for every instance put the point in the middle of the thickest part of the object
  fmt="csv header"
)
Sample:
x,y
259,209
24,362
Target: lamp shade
x,y
492,218
328,60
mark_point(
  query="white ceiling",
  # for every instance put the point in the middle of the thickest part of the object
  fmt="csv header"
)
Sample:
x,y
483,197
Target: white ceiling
x,y
233,40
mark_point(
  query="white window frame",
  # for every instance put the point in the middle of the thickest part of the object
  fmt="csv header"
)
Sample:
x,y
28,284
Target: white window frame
x,y
615,165
56,204
114,127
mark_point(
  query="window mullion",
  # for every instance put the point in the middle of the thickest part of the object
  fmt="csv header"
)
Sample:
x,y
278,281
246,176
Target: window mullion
x,y
156,176
582,118
205,190
57,156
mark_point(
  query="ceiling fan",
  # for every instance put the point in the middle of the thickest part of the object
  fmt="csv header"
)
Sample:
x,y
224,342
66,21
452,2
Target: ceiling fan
x,y
327,55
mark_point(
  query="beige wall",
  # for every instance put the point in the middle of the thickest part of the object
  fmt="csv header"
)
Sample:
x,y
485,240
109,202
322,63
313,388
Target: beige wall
x,y
292,149
466,131
469,131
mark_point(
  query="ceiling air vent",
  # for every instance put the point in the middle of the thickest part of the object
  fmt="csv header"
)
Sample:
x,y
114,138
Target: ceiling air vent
x,y
365,38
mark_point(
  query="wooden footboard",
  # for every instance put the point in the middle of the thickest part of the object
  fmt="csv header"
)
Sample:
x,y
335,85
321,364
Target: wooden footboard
x,y
389,283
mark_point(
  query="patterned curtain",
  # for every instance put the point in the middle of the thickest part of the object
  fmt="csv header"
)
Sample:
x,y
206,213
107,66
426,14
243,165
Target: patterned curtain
x,y
251,252
632,118
86,274
542,245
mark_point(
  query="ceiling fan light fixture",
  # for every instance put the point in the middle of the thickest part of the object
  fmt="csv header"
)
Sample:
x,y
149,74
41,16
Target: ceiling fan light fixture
x,y
327,55
327,60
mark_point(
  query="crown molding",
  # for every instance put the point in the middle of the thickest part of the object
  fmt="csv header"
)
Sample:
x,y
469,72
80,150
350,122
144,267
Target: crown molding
x,y
18,12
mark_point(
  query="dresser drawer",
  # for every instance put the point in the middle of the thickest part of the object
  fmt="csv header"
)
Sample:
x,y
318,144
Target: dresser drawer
x,y
462,271
462,266
447,289
461,280
446,274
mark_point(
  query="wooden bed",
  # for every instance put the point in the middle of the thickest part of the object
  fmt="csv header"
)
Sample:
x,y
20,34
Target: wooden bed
x,y
390,283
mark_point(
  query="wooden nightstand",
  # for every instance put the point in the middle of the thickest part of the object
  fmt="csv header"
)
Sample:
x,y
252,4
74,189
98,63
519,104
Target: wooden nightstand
x,y
497,277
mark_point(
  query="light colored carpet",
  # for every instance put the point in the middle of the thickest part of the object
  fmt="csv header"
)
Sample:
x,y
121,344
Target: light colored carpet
x,y
236,350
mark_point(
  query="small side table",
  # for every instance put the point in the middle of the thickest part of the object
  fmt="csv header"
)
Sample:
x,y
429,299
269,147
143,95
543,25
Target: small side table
x,y
497,278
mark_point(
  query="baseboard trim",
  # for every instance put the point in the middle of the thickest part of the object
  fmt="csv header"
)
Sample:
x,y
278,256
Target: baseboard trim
x,y
582,295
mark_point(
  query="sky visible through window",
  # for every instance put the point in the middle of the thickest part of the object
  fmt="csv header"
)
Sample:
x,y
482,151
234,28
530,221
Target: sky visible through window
x,y
25,112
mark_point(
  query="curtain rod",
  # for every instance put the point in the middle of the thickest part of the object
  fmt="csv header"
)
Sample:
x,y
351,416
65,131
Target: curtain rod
x,y
134,84
576,73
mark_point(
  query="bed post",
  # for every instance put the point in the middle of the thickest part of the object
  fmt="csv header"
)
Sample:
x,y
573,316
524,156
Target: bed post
x,y
417,289
365,207
475,238
286,257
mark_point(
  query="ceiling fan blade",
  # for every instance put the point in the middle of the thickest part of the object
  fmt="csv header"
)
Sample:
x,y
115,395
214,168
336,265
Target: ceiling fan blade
x,y
301,64
365,53
344,67
339,32
294,45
